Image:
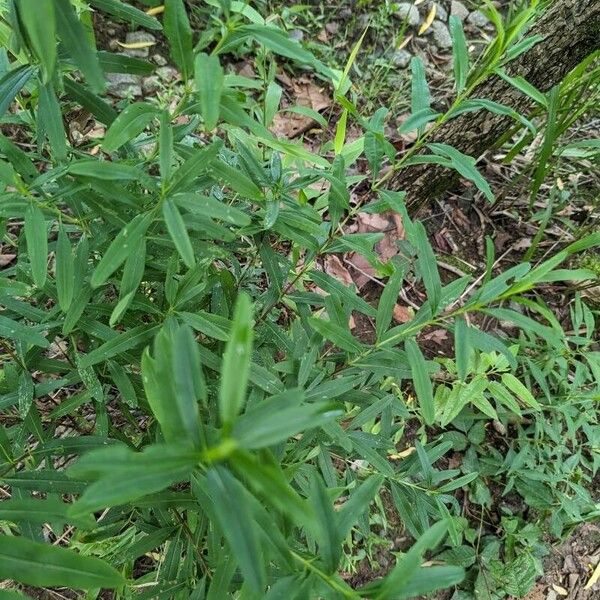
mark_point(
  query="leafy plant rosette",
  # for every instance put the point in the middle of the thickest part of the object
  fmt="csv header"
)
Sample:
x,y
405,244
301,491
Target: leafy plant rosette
x,y
173,388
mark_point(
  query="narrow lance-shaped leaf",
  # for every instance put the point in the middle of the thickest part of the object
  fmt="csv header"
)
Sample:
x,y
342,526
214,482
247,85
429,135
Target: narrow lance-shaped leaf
x,y
38,19
236,362
50,120
209,77
129,124
45,565
11,84
421,380
462,347
37,243
465,165
77,43
460,52
235,517
165,147
420,95
64,270
178,232
120,248
179,33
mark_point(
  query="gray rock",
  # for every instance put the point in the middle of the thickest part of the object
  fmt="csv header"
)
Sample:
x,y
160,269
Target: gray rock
x,y
478,19
139,37
459,10
441,14
160,60
150,85
296,34
409,13
123,85
401,58
167,74
441,35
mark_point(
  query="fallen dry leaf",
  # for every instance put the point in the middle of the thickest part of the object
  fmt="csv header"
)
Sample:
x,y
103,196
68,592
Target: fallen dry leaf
x,y
402,314
304,92
157,10
135,45
429,20
335,268
6,259
594,578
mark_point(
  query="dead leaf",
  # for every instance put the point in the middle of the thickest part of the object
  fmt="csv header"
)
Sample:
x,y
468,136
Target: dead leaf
x,y
429,20
402,314
438,336
351,322
135,45
335,268
304,92
594,578
405,42
6,259
157,10
363,271
402,454
560,590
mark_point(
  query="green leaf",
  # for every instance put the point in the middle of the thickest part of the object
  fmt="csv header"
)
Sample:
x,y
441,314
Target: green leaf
x,y
33,510
14,330
104,170
78,45
129,124
50,120
11,84
38,20
179,33
236,362
357,504
100,109
517,388
237,524
460,52
174,383
462,347
209,78
525,87
418,120
118,344
124,475
121,63
339,336
427,264
421,380
64,270
420,95
44,565
407,566
275,421
165,146
178,232
37,243
465,165
327,530
209,324
237,181
128,13
120,248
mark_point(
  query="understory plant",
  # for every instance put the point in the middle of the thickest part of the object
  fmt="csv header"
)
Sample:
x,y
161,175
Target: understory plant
x,y
185,411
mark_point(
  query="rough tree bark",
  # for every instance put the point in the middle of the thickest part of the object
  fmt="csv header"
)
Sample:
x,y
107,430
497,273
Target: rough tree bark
x,y
571,30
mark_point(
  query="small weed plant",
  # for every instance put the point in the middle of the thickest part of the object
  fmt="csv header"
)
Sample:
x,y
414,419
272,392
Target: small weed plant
x,y
185,411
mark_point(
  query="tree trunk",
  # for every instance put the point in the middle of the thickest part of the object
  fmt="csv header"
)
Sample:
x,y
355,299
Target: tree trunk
x,y
571,30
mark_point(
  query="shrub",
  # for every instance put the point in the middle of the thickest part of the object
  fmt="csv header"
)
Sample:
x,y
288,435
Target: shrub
x,y
179,374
